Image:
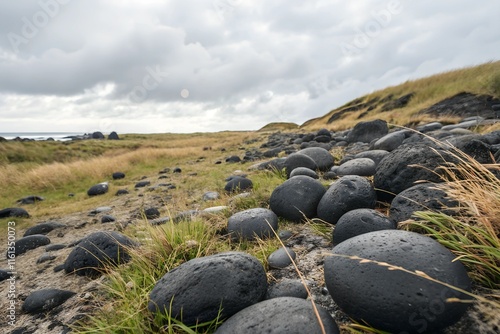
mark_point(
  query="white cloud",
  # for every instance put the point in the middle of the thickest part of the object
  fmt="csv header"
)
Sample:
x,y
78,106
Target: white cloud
x,y
127,65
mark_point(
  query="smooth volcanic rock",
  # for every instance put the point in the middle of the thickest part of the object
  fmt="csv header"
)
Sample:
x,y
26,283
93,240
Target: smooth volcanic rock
x,y
202,286
409,163
287,288
365,132
142,184
394,300
14,212
359,221
298,160
323,159
347,193
252,223
375,155
151,213
121,192
297,197
279,315
390,141
238,183
45,300
4,275
32,199
96,251
107,219
43,228
281,258
30,242
421,197
118,175
358,166
304,171
98,189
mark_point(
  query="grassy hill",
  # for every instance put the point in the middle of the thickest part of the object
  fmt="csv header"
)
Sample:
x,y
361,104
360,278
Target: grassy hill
x,y
403,104
54,170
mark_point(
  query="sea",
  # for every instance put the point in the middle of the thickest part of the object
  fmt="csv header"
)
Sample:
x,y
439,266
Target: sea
x,y
60,136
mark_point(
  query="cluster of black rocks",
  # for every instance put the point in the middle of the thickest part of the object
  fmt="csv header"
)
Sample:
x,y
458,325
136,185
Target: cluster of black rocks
x,y
375,273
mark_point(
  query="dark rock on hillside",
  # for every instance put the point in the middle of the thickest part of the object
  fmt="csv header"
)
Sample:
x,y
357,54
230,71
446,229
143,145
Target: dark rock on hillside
x,y
120,192
107,219
346,194
30,242
409,163
142,184
464,104
252,223
96,251
4,275
397,103
421,197
281,258
43,228
98,189
43,301
97,135
118,175
113,136
32,199
14,212
323,159
298,160
394,300
238,183
297,197
279,315
197,289
287,288
233,159
151,213
359,221
365,132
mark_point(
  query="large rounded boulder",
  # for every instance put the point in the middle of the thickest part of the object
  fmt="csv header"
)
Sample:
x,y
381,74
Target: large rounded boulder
x,y
298,160
381,278
359,221
421,197
253,223
297,198
365,132
409,163
97,251
280,315
197,290
323,159
98,189
347,193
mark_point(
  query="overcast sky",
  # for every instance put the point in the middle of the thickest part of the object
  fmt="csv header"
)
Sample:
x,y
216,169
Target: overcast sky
x,y
210,65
